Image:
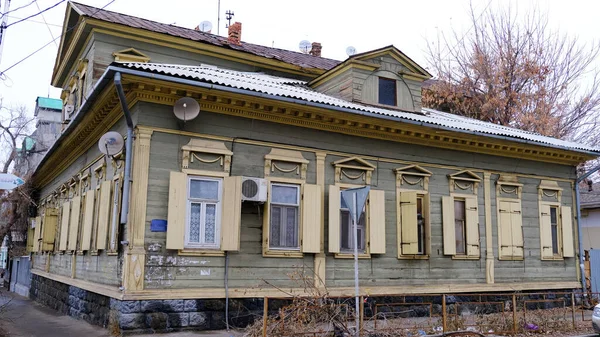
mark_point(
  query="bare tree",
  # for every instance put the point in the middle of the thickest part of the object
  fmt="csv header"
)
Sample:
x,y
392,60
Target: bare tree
x,y
15,125
514,70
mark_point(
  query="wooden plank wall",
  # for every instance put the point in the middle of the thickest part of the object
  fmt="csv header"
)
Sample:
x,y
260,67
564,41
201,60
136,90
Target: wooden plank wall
x,y
248,267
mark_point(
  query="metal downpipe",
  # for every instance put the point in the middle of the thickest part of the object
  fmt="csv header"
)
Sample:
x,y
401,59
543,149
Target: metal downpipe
x,y
128,149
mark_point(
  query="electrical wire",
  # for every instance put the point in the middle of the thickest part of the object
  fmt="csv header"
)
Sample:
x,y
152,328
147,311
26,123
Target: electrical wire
x,y
16,9
2,73
36,14
47,26
40,22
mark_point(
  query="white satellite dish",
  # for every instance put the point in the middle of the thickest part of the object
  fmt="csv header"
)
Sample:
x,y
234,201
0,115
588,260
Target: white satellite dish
x,y
350,51
205,26
186,109
111,143
305,46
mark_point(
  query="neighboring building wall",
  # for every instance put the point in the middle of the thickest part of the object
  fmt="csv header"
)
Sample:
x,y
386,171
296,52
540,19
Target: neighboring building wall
x,y
590,227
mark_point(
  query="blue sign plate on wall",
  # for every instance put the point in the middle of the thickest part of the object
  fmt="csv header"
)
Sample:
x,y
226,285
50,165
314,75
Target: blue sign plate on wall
x,y
158,225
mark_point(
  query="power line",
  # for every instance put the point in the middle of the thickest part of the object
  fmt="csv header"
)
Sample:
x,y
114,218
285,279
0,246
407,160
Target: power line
x,y
16,9
36,14
2,73
33,21
43,18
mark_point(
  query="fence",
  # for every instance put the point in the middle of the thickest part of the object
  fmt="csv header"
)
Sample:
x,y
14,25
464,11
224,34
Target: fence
x,y
418,314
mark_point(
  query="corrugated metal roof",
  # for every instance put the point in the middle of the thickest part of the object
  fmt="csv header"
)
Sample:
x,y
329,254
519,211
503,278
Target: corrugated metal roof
x,y
297,89
287,56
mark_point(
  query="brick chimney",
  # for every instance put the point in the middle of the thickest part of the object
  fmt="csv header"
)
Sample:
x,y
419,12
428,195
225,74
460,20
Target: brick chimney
x,y
316,49
235,33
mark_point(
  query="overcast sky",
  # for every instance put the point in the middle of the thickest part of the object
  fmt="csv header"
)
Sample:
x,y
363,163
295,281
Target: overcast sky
x,y
336,24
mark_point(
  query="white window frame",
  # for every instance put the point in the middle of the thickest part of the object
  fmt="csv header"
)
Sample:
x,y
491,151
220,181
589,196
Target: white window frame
x,y
203,202
297,205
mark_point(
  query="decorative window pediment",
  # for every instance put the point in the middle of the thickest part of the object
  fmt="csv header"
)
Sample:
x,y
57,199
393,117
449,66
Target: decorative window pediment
x,y
130,55
285,161
464,180
508,185
549,189
353,168
412,175
207,152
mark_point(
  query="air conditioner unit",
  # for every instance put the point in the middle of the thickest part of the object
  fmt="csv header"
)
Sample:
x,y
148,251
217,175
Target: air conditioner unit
x,y
69,109
254,189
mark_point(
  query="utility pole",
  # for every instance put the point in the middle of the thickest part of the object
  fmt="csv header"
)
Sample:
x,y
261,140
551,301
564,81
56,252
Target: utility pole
x,y
3,25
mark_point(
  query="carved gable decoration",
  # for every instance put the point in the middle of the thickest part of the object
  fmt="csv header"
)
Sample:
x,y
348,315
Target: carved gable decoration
x,y
354,169
130,55
412,175
509,186
464,181
285,161
207,152
549,189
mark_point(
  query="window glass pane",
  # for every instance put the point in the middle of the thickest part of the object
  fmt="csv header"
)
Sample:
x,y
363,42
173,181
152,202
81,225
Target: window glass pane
x,y
346,224
275,226
420,227
284,194
554,229
387,91
204,189
291,227
196,211
459,226
210,223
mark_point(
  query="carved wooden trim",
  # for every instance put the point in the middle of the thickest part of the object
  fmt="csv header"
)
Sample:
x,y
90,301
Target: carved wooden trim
x,y
509,184
286,156
550,189
197,146
366,168
459,183
420,177
130,55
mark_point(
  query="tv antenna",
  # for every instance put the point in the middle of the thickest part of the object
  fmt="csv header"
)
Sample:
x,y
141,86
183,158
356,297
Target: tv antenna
x,y
350,51
228,16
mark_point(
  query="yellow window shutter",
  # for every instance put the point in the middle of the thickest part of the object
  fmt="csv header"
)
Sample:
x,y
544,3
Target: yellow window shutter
x,y
377,222
505,228
64,226
311,219
546,232
567,231
104,207
177,210
231,209
74,223
409,241
334,219
49,229
30,235
88,220
472,219
36,234
516,222
448,225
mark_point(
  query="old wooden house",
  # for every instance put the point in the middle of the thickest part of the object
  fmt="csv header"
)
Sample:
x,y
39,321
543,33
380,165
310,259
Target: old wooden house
x,y
234,201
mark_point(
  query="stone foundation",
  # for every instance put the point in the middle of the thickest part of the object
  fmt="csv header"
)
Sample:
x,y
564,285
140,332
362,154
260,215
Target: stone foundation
x,y
152,316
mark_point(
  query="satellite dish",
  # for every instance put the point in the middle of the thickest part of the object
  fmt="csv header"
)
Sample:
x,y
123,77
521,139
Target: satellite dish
x,y
205,26
186,109
111,143
305,46
350,51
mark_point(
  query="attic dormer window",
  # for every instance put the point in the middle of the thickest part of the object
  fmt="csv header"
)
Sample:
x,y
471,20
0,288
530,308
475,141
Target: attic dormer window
x,y
387,91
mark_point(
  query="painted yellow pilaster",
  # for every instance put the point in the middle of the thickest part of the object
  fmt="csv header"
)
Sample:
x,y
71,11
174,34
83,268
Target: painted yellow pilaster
x,y
135,256
319,263
489,242
577,229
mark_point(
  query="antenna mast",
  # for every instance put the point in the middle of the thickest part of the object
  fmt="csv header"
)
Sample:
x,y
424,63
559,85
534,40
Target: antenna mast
x,y
228,16
218,16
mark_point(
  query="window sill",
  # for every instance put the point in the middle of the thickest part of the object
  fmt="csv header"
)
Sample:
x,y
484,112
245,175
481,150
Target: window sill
x,y
283,253
351,256
555,258
200,252
465,257
413,257
511,258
